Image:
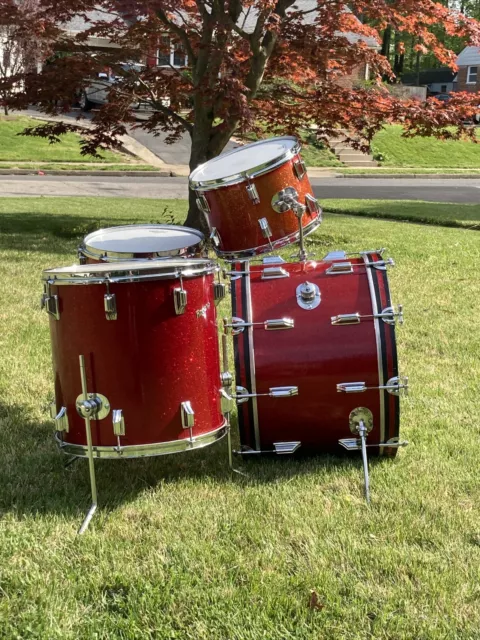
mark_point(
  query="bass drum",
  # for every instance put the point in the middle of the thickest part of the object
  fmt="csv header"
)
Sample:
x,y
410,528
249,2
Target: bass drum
x,y
315,354
148,334
141,242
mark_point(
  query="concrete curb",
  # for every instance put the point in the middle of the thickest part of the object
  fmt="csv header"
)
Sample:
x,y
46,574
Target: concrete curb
x,y
410,176
129,174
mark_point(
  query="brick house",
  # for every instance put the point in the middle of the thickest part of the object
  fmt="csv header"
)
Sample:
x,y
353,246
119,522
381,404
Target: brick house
x,y
468,76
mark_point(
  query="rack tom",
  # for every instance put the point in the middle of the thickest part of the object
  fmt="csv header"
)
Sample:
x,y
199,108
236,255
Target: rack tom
x,y
255,197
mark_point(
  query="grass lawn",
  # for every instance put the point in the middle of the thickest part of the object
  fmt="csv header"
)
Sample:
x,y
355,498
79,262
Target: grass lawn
x,y
182,549
424,152
58,166
25,148
401,170
438,213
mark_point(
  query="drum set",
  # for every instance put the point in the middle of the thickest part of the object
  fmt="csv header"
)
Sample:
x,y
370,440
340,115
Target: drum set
x,y
138,366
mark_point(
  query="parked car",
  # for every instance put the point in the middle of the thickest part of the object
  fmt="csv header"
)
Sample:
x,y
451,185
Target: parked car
x,y
96,94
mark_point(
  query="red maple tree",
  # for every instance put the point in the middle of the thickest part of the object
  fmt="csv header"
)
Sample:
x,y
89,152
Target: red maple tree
x,y
264,66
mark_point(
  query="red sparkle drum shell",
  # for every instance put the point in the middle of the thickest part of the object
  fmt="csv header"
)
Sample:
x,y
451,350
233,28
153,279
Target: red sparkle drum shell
x,y
146,363
315,356
141,242
226,199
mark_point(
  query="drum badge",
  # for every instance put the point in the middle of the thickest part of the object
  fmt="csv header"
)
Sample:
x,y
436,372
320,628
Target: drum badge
x,y
202,313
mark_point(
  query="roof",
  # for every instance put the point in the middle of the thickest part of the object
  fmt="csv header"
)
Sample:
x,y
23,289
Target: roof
x,y
429,76
469,56
248,20
78,24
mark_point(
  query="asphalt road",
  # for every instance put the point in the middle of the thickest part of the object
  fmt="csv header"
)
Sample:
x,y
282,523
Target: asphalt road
x,y
455,190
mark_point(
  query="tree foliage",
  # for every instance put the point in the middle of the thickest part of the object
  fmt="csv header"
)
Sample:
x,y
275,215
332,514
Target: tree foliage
x,y
253,65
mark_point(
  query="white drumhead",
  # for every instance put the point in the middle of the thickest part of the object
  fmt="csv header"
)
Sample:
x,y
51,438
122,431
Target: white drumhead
x,y
138,239
247,159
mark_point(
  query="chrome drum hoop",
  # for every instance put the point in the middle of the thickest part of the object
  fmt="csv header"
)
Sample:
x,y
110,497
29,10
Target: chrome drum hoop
x,y
244,176
143,450
276,244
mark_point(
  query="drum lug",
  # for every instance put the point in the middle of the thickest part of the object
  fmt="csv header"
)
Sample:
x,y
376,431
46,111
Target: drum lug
x,y
312,204
118,422
215,237
333,256
50,303
395,386
81,257
299,168
269,260
60,418
265,228
388,315
226,402
338,268
242,394
110,303
219,291
237,325
253,193
285,448
180,300
188,417
272,273
202,204
308,296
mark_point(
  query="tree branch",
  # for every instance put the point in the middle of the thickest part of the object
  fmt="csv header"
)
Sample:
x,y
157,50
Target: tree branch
x,y
181,33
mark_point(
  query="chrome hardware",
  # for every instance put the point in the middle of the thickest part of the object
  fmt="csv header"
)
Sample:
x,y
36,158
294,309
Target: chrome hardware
x,y
242,395
354,444
60,418
308,296
219,291
237,325
226,402
340,267
273,260
265,228
381,264
283,448
332,256
388,315
110,304
180,300
358,415
95,407
118,422
215,237
312,204
202,312
367,251
82,259
299,168
188,415
226,378
84,399
272,273
346,318
50,303
284,200
394,386
253,193
202,204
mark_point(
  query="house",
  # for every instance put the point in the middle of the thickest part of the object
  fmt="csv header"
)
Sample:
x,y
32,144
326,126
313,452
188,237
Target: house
x,y
468,76
436,80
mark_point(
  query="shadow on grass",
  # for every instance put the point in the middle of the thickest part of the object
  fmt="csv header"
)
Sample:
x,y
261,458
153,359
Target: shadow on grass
x,y
52,234
34,479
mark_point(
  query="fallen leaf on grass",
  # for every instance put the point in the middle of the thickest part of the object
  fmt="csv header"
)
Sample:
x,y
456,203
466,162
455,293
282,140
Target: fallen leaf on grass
x,y
314,602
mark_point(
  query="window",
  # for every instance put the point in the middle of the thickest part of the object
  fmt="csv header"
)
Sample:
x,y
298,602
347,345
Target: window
x,y
171,55
443,88
472,75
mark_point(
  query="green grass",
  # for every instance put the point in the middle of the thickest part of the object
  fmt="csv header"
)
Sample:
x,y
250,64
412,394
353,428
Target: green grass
x,y
448,214
26,148
424,152
182,549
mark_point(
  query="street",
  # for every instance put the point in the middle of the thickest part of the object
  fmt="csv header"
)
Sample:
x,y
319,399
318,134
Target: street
x,y
452,190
